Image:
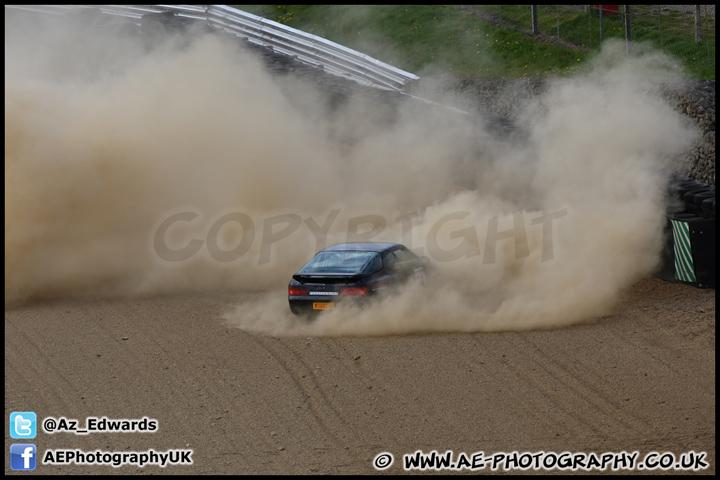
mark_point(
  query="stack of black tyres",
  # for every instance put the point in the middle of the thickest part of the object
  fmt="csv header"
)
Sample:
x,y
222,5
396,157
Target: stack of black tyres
x,y
689,253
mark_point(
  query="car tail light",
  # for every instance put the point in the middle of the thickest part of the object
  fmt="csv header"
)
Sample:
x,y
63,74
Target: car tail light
x,y
297,291
353,291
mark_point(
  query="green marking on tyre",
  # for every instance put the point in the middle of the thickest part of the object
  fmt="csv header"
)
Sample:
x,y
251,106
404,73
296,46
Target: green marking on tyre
x,y
684,268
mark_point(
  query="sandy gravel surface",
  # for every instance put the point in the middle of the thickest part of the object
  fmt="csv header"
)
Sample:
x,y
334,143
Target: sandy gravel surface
x,y
140,166
640,379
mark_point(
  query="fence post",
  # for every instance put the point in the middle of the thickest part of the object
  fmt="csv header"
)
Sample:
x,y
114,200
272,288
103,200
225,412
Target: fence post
x,y
697,23
557,11
601,19
534,13
628,30
660,26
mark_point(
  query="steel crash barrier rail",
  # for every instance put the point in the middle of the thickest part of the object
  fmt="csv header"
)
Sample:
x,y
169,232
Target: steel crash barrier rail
x,y
306,48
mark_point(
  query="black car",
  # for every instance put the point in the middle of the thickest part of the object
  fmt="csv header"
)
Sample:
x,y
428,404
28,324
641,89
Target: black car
x,y
359,271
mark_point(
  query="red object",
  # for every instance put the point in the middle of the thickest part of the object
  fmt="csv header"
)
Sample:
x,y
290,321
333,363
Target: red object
x,y
353,291
609,9
297,291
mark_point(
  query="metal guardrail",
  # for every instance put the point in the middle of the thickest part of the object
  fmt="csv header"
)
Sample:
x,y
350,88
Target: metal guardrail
x,y
306,48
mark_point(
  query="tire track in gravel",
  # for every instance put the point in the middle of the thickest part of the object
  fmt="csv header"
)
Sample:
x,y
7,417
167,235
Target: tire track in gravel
x,y
661,348
324,410
224,414
364,389
130,391
545,400
670,382
142,366
44,385
339,350
581,385
66,360
389,405
257,404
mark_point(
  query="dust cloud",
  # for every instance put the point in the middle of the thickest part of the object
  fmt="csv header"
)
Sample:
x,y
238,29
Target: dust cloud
x,y
187,167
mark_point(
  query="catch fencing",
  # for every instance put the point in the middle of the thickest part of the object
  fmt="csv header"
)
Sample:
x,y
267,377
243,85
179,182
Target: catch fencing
x,y
683,31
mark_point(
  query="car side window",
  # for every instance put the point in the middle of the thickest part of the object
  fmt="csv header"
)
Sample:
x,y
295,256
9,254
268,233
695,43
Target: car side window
x,y
404,255
391,262
373,264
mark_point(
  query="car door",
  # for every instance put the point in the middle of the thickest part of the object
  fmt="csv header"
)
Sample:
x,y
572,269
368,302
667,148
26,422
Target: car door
x,y
409,265
392,275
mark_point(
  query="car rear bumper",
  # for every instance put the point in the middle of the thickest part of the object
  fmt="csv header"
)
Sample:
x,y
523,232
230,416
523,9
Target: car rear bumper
x,y
318,303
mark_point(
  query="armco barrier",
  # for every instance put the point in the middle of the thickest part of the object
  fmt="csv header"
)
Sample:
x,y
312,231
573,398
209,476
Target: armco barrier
x,y
306,48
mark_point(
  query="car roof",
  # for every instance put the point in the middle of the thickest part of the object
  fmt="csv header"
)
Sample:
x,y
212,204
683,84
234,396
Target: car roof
x,y
361,247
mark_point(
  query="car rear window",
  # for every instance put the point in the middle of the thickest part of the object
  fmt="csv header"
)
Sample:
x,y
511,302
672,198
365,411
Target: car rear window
x,y
343,262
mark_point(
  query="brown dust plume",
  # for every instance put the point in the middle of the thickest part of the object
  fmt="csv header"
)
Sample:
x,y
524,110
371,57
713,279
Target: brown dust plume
x,y
188,167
